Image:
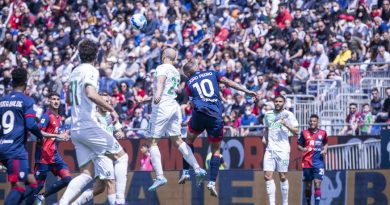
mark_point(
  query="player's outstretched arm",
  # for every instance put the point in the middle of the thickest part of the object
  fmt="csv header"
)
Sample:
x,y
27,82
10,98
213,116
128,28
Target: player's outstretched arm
x,y
237,86
159,88
91,93
62,136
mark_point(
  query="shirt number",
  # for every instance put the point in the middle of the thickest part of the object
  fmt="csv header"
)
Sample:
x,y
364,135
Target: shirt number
x,y
202,90
172,89
8,122
73,93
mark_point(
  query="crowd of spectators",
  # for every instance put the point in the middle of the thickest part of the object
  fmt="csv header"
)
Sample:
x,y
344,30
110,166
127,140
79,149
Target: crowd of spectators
x,y
271,46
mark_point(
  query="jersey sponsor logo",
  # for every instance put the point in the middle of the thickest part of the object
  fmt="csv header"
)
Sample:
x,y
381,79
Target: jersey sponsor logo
x,y
311,143
13,103
6,141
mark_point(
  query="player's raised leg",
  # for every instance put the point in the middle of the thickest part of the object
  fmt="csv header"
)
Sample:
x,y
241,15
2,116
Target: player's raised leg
x,y
174,129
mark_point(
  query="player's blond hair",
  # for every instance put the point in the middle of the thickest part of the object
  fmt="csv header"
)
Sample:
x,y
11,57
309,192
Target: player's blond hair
x,y
169,53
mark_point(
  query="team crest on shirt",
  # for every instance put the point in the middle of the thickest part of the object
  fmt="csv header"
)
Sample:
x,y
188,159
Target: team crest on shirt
x,y
21,175
43,120
320,137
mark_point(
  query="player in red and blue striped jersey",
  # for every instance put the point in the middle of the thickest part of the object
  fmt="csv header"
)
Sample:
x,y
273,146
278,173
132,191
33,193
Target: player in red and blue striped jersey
x,y
313,142
203,90
47,158
17,117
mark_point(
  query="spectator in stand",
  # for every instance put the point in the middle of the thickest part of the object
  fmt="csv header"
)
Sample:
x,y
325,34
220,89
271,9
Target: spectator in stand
x,y
139,125
353,120
248,119
376,102
146,164
386,105
367,120
343,56
301,75
382,57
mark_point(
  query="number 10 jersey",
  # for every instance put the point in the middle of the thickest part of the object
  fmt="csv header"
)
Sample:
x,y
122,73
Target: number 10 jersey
x,y
203,90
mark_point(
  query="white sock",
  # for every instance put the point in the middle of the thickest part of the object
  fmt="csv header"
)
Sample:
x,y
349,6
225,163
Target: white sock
x,y
284,189
120,169
84,197
74,188
155,157
188,155
111,199
271,191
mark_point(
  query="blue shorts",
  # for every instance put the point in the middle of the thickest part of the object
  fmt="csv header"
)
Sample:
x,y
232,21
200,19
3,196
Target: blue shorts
x,y
309,174
17,169
58,169
213,126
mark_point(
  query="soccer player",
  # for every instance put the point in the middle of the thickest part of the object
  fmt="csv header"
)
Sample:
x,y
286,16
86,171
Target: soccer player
x,y
166,117
102,181
17,117
313,142
89,138
279,125
47,158
203,90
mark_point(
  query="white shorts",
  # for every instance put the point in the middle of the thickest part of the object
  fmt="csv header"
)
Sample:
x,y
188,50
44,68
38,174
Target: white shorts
x,y
92,142
103,167
165,120
276,161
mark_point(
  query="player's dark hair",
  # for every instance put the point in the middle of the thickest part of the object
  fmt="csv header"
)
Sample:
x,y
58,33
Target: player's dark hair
x,y
350,104
189,65
19,77
375,89
54,94
314,116
280,96
87,51
145,145
366,104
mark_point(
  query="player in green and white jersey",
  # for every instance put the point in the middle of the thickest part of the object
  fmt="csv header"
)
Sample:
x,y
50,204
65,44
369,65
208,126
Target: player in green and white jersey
x,y
165,120
104,173
280,124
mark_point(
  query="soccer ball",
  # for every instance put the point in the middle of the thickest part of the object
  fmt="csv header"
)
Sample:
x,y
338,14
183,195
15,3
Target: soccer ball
x,y
138,21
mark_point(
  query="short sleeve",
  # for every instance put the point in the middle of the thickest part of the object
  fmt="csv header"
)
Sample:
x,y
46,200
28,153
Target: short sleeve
x,y
29,108
266,123
161,71
44,122
301,140
92,78
293,120
325,139
188,90
218,75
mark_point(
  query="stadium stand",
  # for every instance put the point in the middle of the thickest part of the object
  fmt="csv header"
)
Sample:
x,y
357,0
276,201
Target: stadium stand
x,y
321,54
